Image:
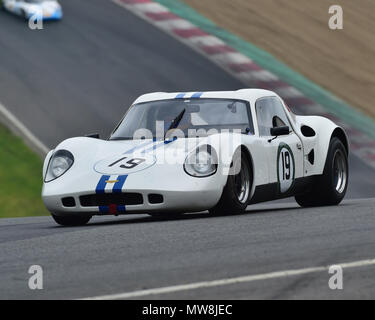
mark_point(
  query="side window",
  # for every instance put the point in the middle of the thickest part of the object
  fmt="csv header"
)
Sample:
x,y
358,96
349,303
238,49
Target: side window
x,y
280,113
262,107
270,114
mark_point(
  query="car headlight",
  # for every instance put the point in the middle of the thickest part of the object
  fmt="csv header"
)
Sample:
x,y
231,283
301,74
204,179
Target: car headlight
x,y
202,162
60,162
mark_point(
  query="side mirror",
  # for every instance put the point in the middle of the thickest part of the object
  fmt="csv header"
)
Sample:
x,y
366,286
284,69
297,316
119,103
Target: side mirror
x,y
93,135
279,131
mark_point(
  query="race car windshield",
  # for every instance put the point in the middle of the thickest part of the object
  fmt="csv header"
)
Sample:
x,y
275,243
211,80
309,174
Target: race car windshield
x,y
198,116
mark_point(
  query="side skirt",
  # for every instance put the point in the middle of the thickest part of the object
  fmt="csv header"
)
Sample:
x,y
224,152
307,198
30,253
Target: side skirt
x,y
269,192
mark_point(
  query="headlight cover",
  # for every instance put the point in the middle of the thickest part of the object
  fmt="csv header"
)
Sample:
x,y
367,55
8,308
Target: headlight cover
x,y
202,162
60,162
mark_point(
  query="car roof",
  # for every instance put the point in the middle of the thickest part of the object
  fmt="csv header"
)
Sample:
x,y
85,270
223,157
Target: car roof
x,y
242,94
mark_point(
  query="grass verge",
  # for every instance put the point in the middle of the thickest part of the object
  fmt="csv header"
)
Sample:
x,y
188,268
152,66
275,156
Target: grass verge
x,y
20,178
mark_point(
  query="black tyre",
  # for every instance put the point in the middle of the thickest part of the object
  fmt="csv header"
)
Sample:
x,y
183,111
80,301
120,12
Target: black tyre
x,y
71,221
329,189
236,193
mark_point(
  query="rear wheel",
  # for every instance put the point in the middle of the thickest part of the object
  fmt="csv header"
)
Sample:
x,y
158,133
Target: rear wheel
x,y
70,221
329,188
236,193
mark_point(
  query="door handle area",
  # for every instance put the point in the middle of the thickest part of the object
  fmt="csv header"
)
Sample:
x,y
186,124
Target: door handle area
x,y
299,146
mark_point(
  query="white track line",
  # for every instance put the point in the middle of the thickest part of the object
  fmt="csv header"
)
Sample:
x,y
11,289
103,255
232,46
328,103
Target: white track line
x,y
18,128
228,281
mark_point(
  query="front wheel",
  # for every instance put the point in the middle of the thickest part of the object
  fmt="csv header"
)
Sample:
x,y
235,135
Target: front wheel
x,y
329,188
71,221
236,193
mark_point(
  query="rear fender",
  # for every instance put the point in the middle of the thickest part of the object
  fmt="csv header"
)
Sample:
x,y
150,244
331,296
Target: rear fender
x,y
317,143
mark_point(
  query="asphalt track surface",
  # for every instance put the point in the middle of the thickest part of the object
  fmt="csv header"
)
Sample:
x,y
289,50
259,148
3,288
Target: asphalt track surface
x,y
78,76
125,254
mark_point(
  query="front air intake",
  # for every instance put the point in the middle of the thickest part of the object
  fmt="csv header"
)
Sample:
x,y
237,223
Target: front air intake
x,y
68,202
155,198
120,199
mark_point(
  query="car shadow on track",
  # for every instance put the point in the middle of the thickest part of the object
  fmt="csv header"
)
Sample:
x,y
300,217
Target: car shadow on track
x,y
135,219
187,216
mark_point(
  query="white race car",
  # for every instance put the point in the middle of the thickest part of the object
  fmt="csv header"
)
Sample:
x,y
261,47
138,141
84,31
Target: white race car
x,y
187,152
43,9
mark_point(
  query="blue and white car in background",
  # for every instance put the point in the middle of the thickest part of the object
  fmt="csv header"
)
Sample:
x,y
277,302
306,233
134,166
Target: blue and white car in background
x,y
38,9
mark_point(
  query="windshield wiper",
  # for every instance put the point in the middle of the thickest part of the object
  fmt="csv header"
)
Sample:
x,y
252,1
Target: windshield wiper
x,y
176,121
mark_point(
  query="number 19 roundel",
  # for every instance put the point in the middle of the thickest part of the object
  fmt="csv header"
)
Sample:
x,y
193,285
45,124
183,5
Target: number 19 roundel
x,y
285,167
124,164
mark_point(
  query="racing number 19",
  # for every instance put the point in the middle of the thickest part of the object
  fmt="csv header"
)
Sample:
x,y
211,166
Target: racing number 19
x,y
130,164
285,158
